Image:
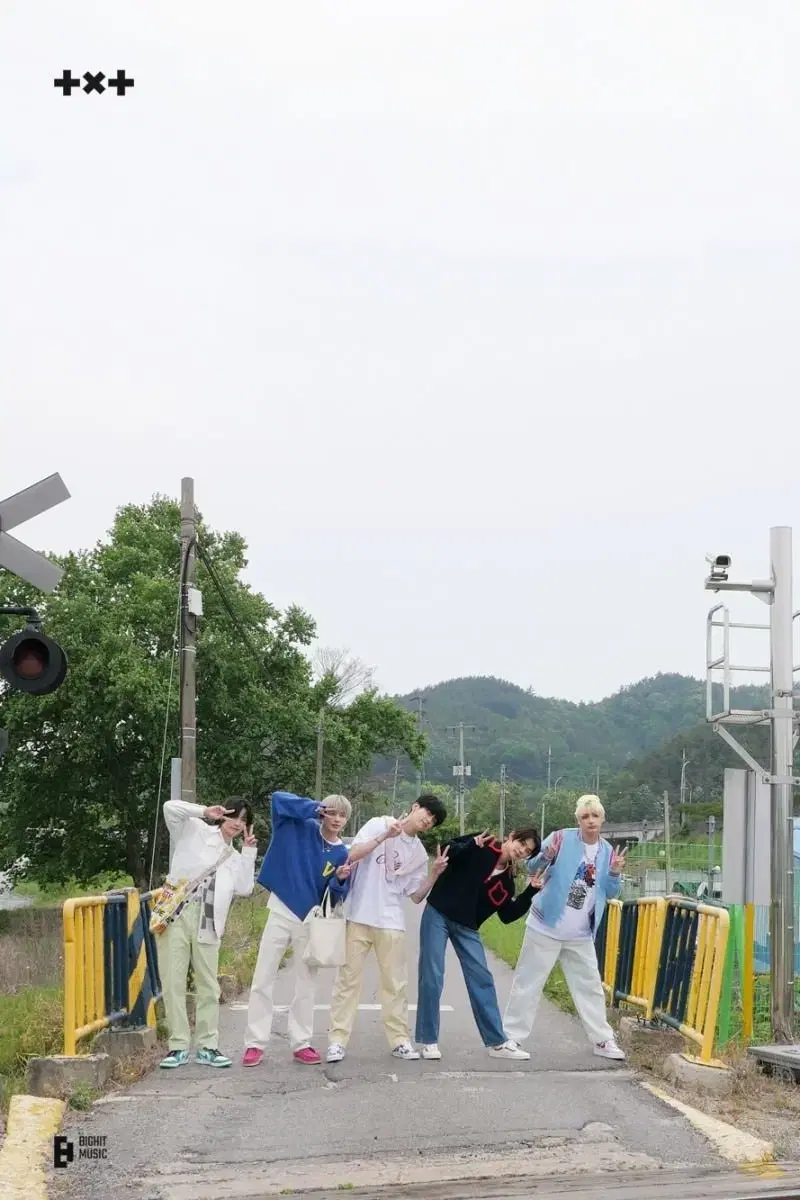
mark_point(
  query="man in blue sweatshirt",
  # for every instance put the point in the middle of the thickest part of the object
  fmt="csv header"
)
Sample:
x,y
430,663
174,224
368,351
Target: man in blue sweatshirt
x,y
306,855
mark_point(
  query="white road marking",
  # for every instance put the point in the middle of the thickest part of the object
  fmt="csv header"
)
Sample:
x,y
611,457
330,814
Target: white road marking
x,y
282,1008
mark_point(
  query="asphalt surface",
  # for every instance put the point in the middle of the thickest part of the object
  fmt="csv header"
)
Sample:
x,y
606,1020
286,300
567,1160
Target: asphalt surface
x,y
373,1120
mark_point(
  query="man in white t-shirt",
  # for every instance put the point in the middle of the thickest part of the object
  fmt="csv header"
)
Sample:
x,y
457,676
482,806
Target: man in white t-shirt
x,y
392,864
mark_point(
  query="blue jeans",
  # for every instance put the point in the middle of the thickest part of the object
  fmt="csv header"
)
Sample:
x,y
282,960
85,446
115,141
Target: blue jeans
x,y
434,932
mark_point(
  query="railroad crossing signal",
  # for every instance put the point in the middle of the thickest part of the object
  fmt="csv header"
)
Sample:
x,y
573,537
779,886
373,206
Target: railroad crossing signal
x,y
15,556
30,661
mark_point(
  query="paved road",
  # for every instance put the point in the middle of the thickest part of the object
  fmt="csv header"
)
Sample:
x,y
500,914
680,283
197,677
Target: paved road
x,y
195,1133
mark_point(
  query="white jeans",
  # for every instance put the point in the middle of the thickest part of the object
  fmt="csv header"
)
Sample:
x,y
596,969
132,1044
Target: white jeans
x,y
537,958
279,933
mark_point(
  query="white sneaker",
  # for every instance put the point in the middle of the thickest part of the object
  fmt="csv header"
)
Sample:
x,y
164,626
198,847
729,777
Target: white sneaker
x,y
609,1049
509,1049
335,1053
405,1050
431,1051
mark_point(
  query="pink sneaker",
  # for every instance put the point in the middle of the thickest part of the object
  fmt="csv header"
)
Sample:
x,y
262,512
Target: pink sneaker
x,y
252,1056
308,1056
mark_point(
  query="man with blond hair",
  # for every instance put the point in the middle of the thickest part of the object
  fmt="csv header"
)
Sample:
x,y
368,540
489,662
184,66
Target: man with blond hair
x,y
581,872
305,857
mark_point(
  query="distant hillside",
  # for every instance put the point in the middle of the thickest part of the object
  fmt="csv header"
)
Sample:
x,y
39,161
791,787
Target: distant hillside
x,y
515,727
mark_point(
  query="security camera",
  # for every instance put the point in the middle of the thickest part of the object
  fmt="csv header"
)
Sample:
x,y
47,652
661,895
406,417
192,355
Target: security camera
x,y
720,565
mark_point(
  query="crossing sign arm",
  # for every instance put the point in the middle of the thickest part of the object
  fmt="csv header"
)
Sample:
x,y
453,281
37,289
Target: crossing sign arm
x,y
15,556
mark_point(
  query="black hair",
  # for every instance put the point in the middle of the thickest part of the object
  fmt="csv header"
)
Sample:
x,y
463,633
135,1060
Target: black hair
x,y
528,833
435,806
236,805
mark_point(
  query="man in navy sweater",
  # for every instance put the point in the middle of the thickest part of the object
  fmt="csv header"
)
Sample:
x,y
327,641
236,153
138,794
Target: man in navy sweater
x,y
306,855
477,882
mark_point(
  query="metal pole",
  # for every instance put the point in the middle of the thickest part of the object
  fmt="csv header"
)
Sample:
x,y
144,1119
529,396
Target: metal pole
x,y
502,800
320,744
667,846
682,801
549,762
461,777
782,908
712,826
188,646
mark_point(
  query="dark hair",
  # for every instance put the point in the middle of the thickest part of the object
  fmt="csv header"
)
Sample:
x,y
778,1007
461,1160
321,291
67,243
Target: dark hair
x,y
528,833
435,806
236,805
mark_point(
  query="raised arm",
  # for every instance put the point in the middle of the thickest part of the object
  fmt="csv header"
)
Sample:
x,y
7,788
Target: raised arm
x,y
178,812
288,807
547,854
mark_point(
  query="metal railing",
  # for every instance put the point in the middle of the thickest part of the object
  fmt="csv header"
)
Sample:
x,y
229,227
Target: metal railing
x,y
688,984
110,964
640,941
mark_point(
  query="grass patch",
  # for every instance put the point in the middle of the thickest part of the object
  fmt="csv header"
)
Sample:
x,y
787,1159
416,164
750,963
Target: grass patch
x,y
31,949
47,894
239,949
506,942
31,1024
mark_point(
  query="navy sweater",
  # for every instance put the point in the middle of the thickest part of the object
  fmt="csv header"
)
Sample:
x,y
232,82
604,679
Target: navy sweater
x,y
466,892
299,864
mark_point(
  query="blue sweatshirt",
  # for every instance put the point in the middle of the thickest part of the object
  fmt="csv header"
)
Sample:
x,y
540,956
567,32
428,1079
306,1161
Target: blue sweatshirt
x,y
299,864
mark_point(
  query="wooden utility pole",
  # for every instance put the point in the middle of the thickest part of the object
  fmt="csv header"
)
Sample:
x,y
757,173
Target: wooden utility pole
x,y
394,785
188,644
502,800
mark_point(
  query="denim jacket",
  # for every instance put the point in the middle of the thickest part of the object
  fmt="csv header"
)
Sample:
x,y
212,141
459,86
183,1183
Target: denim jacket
x,y
551,901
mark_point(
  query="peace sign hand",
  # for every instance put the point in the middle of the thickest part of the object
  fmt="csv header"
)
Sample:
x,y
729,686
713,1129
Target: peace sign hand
x,y
482,838
618,860
551,851
440,862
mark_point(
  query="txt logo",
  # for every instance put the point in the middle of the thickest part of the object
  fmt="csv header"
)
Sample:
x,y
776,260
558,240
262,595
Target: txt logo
x,y
63,1151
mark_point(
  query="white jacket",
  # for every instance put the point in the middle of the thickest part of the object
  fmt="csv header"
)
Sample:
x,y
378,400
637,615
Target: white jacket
x,y
195,846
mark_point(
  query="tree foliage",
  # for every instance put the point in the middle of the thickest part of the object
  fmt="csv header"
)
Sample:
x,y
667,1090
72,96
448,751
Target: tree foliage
x,y
79,786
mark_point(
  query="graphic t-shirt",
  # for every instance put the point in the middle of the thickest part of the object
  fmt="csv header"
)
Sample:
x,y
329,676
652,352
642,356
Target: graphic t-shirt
x,y
575,922
394,870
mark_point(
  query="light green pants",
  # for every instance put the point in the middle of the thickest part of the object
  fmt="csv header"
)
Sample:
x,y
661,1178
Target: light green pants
x,y
177,947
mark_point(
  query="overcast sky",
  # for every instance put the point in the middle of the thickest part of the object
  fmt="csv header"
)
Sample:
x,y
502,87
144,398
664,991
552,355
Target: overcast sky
x,y
478,319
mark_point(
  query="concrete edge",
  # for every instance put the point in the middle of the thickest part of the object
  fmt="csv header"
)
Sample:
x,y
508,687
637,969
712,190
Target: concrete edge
x,y
32,1123
737,1146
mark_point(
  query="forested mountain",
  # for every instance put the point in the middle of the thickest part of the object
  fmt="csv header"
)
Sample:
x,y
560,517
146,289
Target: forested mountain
x,y
631,731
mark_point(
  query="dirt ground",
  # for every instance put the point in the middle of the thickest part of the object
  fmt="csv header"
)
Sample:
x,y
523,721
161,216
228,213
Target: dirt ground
x,y
767,1107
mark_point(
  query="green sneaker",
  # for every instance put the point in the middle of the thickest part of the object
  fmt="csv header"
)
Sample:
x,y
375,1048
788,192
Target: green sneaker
x,y
175,1058
212,1058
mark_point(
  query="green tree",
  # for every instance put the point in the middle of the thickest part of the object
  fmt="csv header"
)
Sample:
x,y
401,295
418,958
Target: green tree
x,y
80,783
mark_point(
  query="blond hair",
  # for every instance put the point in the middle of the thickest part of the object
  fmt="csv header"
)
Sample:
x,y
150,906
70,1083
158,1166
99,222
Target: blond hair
x,y
339,804
589,803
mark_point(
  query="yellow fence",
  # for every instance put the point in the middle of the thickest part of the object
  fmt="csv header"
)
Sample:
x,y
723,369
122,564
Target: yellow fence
x,y
667,958
110,964
691,967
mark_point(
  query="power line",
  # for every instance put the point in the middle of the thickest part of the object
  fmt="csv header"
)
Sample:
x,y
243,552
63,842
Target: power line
x,y
235,620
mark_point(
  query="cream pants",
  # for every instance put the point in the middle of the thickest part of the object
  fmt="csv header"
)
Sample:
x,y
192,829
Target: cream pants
x,y
280,933
390,951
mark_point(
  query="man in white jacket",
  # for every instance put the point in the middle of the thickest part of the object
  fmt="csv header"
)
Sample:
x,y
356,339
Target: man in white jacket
x,y
200,841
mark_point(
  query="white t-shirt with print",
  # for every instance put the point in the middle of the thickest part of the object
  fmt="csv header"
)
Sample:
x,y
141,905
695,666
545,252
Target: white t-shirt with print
x,y
378,888
574,925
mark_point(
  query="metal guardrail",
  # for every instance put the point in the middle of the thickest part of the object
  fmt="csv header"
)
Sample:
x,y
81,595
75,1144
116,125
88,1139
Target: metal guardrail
x,y
640,941
688,984
111,972
607,946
